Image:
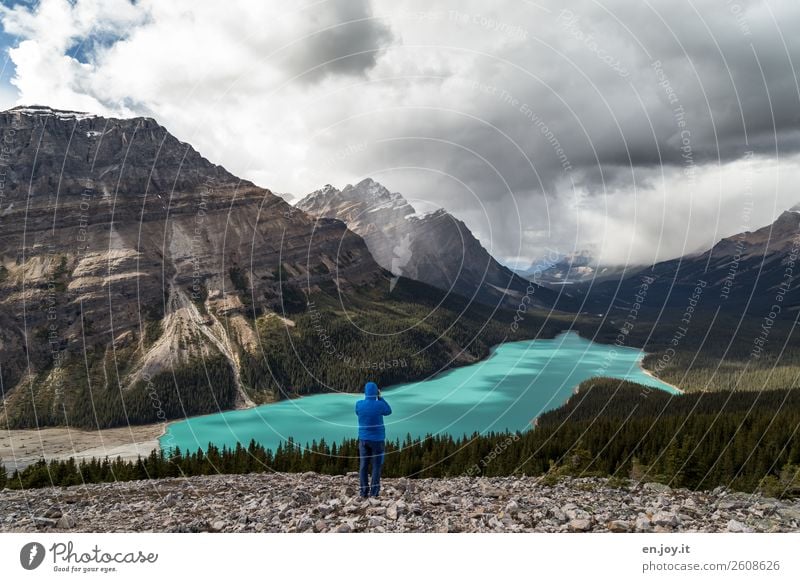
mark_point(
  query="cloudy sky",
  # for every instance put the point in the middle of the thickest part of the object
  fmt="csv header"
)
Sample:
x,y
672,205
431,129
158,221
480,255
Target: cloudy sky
x,y
640,130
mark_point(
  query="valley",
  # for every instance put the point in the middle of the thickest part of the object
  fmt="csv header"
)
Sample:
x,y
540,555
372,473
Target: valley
x,y
166,288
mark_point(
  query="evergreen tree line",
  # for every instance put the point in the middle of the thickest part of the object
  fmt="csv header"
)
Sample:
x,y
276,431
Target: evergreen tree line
x,y
742,440
200,386
717,351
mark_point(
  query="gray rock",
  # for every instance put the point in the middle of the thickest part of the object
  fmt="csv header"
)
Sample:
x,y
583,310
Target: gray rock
x,y
665,519
738,527
574,512
296,503
657,487
577,525
66,521
391,511
620,526
643,524
789,513
52,512
44,521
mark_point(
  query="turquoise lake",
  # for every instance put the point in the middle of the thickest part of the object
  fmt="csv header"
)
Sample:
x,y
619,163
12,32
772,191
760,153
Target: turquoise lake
x,y
506,391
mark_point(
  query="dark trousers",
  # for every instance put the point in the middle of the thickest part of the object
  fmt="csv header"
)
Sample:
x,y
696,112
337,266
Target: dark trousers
x,y
370,452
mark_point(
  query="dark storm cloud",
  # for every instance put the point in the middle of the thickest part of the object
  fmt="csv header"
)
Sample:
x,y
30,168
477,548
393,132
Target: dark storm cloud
x,y
346,40
612,100
539,126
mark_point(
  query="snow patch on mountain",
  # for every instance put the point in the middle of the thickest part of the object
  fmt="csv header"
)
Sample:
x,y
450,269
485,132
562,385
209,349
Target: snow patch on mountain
x,y
38,110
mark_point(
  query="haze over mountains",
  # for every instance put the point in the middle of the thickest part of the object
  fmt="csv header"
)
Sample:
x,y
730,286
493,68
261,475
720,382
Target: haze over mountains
x,y
556,270
750,272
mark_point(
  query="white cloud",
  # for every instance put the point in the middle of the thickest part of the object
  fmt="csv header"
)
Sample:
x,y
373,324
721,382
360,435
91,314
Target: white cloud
x,y
473,106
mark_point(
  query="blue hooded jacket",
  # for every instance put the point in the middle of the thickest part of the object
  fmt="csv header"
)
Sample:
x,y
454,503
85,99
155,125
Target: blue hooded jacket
x,y
370,412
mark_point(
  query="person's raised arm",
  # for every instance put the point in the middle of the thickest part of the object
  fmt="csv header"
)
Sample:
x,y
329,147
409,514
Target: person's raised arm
x,y
387,410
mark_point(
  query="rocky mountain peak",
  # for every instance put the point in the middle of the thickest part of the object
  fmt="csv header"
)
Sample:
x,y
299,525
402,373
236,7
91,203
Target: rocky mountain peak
x,y
432,247
366,200
369,189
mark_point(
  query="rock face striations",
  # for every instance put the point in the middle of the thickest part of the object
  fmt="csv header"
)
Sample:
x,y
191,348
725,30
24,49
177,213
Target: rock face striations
x,y
435,248
124,254
140,282
310,502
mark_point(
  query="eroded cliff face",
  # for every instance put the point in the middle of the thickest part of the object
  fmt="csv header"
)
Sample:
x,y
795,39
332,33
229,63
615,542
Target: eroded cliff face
x,y
126,256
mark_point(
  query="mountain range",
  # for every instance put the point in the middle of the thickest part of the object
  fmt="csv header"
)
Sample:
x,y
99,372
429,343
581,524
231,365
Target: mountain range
x,y
556,270
139,281
434,247
753,273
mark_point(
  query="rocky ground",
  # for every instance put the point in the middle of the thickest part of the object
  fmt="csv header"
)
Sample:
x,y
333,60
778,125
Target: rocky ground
x,y
310,502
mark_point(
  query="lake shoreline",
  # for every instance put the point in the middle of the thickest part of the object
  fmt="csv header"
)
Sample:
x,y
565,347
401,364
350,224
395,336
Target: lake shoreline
x,y
649,373
140,440
520,378
20,448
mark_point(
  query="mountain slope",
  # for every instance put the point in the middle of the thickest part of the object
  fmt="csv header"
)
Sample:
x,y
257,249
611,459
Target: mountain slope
x,y
435,248
749,272
141,282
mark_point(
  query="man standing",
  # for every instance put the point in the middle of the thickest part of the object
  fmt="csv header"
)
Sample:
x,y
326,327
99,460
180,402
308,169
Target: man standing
x,y
371,437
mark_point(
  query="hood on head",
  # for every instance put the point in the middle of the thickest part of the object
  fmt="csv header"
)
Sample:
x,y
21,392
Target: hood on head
x,y
371,390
